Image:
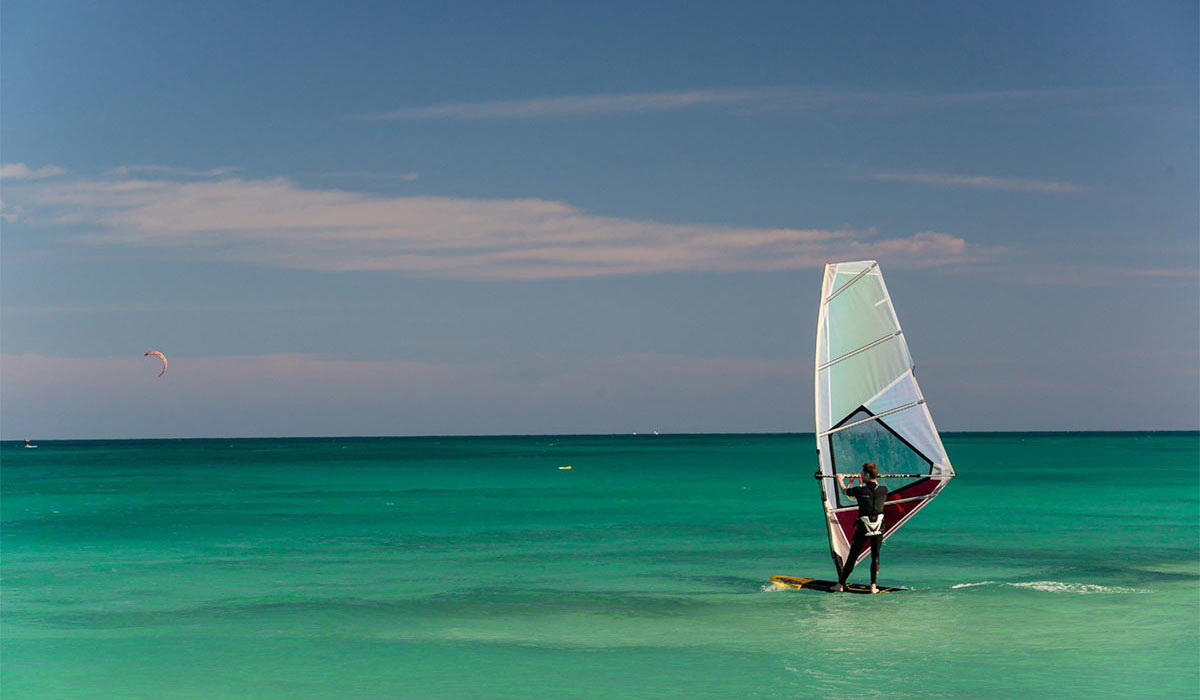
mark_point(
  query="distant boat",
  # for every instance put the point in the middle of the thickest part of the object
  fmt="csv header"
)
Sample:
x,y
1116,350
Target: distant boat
x,y
29,445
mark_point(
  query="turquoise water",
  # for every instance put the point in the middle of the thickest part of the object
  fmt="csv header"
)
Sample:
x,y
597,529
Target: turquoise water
x,y
1055,565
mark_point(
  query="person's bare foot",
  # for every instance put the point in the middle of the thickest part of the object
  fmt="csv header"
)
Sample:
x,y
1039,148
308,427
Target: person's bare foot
x,y
874,589
837,588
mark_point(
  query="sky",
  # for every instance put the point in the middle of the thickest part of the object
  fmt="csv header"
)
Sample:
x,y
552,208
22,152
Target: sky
x,y
458,218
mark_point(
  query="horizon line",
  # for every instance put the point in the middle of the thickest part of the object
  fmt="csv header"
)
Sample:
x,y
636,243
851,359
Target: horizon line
x,y
1121,431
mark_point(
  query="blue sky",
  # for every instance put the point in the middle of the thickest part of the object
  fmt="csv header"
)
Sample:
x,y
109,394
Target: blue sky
x,y
465,218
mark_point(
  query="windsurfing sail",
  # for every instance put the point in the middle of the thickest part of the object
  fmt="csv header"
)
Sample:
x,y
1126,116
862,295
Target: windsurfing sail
x,y
160,356
869,407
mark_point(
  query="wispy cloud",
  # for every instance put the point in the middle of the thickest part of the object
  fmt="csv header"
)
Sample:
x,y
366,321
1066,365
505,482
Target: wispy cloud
x,y
20,171
169,170
274,222
762,99
576,105
1165,272
411,176
1056,271
983,182
10,213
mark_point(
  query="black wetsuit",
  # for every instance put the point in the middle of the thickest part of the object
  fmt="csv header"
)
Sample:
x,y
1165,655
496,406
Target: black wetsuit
x,y
871,498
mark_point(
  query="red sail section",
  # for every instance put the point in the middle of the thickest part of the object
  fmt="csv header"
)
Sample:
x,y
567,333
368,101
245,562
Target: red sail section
x,y
924,487
846,519
895,509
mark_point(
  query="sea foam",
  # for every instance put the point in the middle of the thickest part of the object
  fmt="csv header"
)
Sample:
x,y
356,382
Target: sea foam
x,y
1056,587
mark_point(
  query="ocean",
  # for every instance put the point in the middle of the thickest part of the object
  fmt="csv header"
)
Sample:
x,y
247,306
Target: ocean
x,y
1056,565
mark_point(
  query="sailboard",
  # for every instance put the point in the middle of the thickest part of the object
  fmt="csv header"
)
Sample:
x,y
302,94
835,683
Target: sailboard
x,y
869,407
813,584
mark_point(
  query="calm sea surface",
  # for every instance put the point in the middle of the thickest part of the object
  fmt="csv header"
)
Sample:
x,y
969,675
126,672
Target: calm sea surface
x,y
1056,565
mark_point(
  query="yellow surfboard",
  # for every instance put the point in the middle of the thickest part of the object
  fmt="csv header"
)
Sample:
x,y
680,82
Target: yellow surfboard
x,y
813,584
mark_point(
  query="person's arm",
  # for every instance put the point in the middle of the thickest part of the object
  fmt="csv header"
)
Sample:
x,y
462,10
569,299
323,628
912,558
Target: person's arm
x,y
842,485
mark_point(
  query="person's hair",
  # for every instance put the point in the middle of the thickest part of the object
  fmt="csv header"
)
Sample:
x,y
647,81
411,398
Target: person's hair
x,y
871,470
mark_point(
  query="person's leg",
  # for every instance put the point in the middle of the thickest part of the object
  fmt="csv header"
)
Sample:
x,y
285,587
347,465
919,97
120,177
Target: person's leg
x,y
856,547
876,544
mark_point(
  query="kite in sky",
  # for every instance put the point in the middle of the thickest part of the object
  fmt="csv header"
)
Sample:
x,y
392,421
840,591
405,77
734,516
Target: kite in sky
x,y
160,356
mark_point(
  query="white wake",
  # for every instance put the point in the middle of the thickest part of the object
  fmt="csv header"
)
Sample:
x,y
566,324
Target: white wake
x,y
1056,587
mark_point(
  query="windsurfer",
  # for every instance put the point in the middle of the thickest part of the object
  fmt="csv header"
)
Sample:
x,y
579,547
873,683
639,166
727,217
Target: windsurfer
x,y
871,496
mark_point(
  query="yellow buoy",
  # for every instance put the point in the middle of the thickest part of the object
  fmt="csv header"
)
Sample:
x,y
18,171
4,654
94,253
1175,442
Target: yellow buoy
x,y
566,467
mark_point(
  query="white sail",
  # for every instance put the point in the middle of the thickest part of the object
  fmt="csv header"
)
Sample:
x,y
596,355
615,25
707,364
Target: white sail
x,y
869,407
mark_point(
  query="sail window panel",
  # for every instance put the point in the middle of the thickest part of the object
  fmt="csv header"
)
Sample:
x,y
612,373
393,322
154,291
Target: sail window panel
x,y
855,380
857,319
874,441
914,424
914,427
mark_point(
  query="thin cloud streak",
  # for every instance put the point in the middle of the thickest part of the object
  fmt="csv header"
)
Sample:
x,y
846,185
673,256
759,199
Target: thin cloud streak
x,y
1082,273
10,213
985,182
763,99
20,171
152,169
411,176
1165,272
274,222
576,105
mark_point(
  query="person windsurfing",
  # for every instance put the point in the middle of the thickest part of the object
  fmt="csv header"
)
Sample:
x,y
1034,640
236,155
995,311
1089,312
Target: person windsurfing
x,y
868,529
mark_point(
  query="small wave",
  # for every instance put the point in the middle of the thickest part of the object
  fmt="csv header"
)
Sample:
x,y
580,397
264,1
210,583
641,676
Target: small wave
x,y
772,587
1082,588
1056,587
